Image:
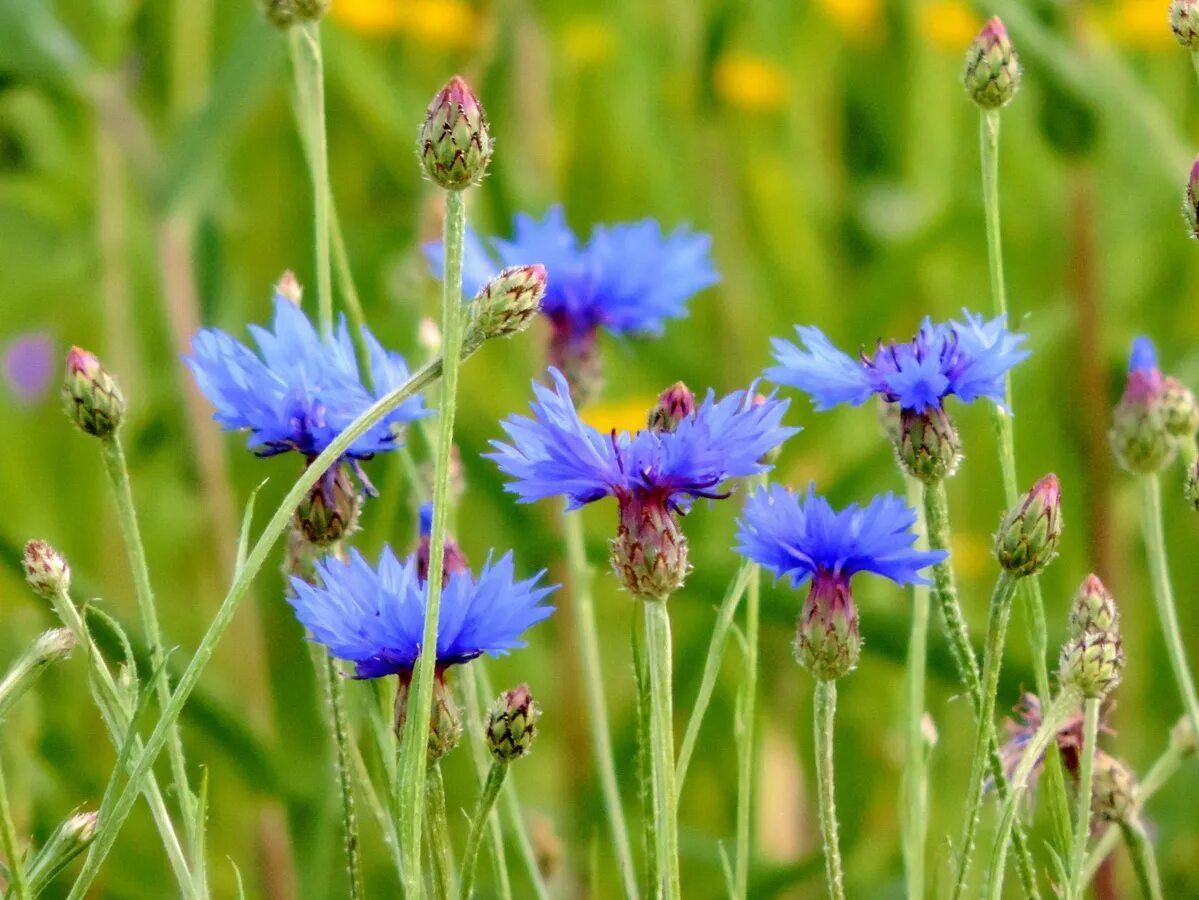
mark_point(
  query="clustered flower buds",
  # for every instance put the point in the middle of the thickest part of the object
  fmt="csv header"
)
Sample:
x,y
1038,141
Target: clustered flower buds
x,y
1184,22
992,73
455,143
90,396
1113,790
46,570
1093,656
512,724
828,642
445,719
1028,536
929,447
329,512
509,302
1094,608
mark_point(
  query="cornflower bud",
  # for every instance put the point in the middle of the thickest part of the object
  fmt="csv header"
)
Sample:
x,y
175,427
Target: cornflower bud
x,y
509,302
455,142
992,72
1139,437
674,404
1094,608
929,447
90,396
828,642
453,561
280,13
1180,413
1091,663
1028,536
1184,22
288,286
649,554
46,571
445,719
311,10
329,512
1114,793
512,724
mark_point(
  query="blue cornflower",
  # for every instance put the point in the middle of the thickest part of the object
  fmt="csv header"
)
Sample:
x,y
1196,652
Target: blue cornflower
x,y
805,539
627,278
375,616
967,359
654,474
1156,414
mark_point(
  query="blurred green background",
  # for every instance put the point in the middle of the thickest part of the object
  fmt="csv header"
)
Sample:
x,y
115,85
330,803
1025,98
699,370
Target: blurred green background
x,y
151,181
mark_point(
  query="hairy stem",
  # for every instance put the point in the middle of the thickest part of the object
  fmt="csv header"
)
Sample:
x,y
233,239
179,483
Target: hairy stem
x,y
745,736
487,798
915,790
18,883
438,834
824,711
658,653
1086,767
335,696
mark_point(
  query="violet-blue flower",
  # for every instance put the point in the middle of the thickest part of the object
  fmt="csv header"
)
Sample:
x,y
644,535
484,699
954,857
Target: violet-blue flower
x,y
374,616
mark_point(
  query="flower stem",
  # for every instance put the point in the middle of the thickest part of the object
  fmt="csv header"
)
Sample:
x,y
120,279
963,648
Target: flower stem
x,y
915,792
1086,767
1001,610
746,722
1159,572
335,696
825,709
581,575
647,791
118,476
490,793
21,677
478,748
1144,863
658,652
416,731
437,833
18,883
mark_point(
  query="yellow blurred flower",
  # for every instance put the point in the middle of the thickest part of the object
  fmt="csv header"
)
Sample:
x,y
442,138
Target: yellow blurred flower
x,y
368,16
588,41
450,23
623,415
971,553
860,20
1137,24
949,24
750,82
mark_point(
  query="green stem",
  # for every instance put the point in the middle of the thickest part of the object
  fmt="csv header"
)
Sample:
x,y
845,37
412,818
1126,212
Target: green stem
x,y
581,577
1144,863
25,671
18,883
1195,63
1159,572
481,755
416,731
647,791
335,696
349,292
915,824
1056,713
490,793
1001,609
438,834
745,732
825,709
376,805
658,653
118,475
1082,824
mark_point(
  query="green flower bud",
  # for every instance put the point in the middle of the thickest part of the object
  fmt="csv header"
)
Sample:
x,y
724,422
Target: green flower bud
x,y
828,642
649,555
1094,608
674,404
512,724
445,719
992,72
329,512
311,10
1184,22
509,302
69,840
1190,487
1114,793
1028,536
90,396
1180,413
280,13
455,142
1139,437
46,570
1091,663
929,447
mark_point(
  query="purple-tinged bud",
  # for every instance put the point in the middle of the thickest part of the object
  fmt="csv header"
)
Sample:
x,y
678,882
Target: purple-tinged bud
x,y
1091,663
649,554
90,396
1094,608
329,512
288,287
1180,413
455,142
827,641
512,724
1028,536
1184,22
929,447
445,719
508,303
46,570
454,560
1190,199
674,404
1139,437
992,72
1114,791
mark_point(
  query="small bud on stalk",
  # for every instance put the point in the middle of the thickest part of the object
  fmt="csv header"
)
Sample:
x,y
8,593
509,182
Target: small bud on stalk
x,y
1114,794
929,447
46,570
90,396
1139,436
509,302
288,287
992,73
70,839
1190,201
1094,608
1091,663
455,142
674,404
329,512
280,13
828,642
512,724
1182,736
311,10
649,554
1028,536
445,719
1184,22
1180,413
53,645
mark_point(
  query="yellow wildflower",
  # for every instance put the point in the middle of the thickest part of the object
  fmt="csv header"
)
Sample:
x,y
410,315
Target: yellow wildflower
x,y
372,17
859,20
750,82
449,23
949,24
1137,24
622,415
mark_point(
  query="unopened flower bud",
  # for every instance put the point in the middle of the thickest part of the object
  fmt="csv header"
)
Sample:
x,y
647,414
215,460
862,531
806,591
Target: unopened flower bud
x,y
1180,413
1182,736
47,648
929,447
53,645
828,642
329,511
1191,485
992,73
1139,437
453,561
311,10
674,404
1028,536
288,287
90,396
1190,198
455,142
280,13
1091,663
1184,22
509,302
445,719
70,839
1114,794
46,570
649,554
512,724
889,419
1094,608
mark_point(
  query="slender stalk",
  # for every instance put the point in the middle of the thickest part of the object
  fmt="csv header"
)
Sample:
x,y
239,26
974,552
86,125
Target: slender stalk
x,y
1001,610
438,834
1144,862
18,883
490,793
825,708
647,790
412,750
915,792
1195,63
28,667
658,653
745,736
581,577
335,696
1086,767
481,755
118,475
1159,572
377,806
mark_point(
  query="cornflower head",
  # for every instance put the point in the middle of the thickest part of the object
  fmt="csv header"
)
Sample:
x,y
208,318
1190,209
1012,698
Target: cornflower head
x,y
968,360
1022,726
804,539
1153,415
655,474
627,279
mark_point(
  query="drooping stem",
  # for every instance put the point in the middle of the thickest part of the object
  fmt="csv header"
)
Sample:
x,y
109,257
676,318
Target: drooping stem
x,y
437,833
335,697
487,798
745,735
824,708
581,576
1159,573
1086,767
658,653
915,791
18,883
1001,609
1144,862
412,750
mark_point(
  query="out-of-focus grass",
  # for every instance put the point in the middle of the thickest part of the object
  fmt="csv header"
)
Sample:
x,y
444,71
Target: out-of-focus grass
x,y
828,149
